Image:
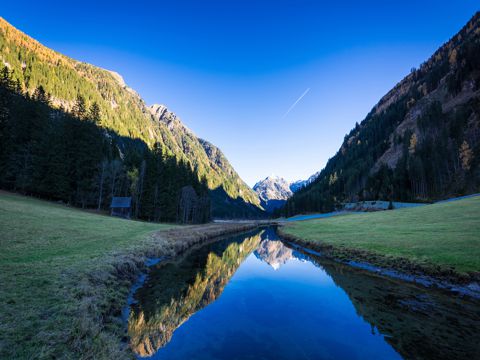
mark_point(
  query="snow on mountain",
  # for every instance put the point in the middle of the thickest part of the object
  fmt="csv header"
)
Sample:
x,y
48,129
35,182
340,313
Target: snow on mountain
x,y
274,191
299,184
274,253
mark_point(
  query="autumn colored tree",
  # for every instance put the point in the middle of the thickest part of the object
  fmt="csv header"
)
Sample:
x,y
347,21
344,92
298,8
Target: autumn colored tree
x,y
466,155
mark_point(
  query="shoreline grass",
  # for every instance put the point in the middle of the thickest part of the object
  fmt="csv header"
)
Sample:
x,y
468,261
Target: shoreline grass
x,y
65,275
445,235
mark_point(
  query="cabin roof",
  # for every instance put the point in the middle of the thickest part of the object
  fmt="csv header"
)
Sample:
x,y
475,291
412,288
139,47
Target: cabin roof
x,y
121,202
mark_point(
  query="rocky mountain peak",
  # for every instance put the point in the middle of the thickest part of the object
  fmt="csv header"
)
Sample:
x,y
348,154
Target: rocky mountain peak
x,y
274,253
272,191
273,188
161,112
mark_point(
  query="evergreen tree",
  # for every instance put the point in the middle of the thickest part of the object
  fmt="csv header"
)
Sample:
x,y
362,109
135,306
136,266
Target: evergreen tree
x,y
79,108
41,95
6,80
94,114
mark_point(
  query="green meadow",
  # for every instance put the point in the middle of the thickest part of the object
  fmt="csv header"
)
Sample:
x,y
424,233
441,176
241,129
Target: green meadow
x,y
444,234
48,255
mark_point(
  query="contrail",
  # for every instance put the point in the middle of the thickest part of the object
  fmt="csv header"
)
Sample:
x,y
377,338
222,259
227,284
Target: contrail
x,y
295,103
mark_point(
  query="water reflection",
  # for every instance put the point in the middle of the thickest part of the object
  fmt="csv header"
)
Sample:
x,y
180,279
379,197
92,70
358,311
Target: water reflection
x,y
418,324
282,303
176,290
273,252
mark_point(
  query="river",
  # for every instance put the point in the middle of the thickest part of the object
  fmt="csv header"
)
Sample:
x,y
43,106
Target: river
x,y
253,296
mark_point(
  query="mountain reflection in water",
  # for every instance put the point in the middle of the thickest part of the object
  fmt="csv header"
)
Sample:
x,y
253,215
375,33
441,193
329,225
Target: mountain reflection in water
x,y
176,290
281,303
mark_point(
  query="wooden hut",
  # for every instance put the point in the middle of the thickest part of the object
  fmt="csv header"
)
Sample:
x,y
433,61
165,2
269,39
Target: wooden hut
x,y
120,207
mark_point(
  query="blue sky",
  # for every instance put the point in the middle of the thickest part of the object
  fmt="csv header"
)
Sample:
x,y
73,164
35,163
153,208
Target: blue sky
x,y
231,70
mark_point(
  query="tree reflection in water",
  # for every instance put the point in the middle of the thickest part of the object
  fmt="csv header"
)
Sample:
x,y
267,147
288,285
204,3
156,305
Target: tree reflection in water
x,y
174,291
418,323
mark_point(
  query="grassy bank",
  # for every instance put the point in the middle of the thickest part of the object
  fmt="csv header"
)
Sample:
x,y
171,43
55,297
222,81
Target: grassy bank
x,y
443,237
66,273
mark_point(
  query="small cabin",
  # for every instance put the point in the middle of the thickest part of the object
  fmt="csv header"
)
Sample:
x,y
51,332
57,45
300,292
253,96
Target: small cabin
x,y
120,207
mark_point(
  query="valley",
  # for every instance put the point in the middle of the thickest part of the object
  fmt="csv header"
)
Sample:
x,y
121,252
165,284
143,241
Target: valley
x,y
65,85
124,235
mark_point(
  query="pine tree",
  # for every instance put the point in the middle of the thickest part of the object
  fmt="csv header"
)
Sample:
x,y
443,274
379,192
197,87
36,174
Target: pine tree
x,y
94,114
79,108
41,95
54,155
6,80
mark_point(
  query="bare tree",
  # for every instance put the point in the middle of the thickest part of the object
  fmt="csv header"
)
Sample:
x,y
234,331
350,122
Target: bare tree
x,y
103,168
115,167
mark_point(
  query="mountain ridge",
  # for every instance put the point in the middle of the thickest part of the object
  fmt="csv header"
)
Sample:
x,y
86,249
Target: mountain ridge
x,y
420,142
274,191
299,184
122,108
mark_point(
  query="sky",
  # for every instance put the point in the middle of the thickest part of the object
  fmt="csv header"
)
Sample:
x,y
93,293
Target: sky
x,y
275,84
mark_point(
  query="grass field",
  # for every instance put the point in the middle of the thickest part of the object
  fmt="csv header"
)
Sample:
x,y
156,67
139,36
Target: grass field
x,y
445,234
45,251
66,273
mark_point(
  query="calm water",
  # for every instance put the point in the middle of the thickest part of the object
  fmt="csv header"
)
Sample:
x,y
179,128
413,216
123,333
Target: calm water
x,y
253,297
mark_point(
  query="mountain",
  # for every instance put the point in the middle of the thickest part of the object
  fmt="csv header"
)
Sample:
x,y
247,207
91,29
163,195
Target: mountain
x,y
420,142
299,184
273,192
68,157
274,253
178,290
123,112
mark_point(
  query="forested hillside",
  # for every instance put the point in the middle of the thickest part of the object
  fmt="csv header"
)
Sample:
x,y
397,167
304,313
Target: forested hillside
x,y
420,142
67,157
31,66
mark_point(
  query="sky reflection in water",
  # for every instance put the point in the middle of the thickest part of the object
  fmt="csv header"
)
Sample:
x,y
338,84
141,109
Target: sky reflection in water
x,y
252,297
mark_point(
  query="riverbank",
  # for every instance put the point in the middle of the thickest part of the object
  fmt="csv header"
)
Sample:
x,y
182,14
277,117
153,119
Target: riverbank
x,y
65,275
438,243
